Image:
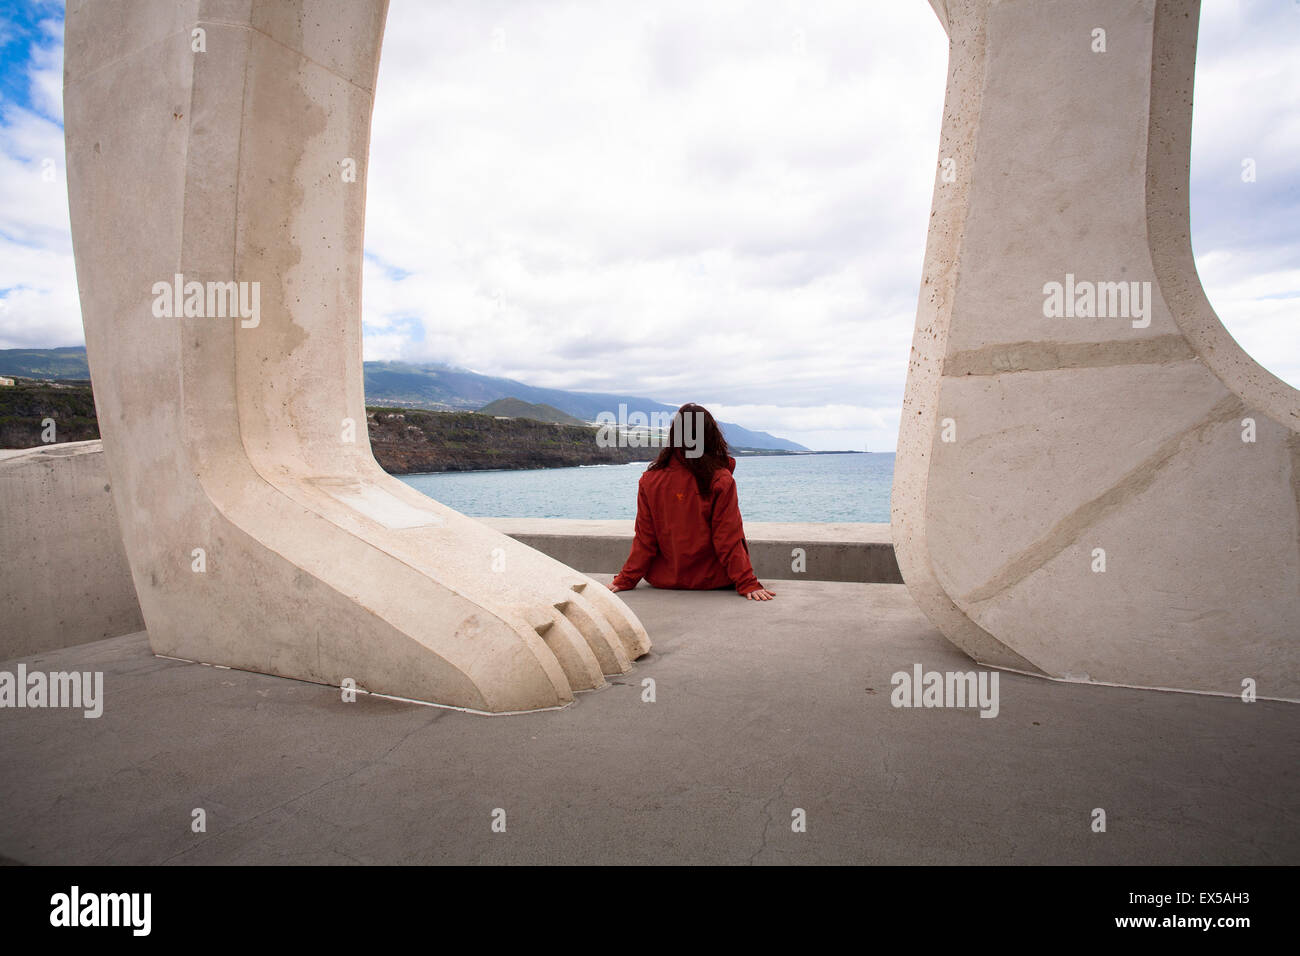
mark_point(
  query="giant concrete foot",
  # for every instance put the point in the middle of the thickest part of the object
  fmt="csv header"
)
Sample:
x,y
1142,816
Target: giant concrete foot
x,y
1093,482
226,142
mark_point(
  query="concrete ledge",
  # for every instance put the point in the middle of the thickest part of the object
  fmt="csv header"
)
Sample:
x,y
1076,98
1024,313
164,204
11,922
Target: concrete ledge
x,y
64,578
844,552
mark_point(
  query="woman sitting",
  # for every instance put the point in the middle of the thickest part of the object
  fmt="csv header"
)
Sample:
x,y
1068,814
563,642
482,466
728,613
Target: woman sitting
x,y
688,529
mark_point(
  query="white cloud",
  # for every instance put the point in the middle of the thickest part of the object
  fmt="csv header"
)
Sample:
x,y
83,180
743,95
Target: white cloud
x,y
39,307
1247,108
46,72
724,203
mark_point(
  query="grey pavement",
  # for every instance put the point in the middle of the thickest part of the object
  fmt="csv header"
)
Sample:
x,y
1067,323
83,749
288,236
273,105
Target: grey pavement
x,y
760,709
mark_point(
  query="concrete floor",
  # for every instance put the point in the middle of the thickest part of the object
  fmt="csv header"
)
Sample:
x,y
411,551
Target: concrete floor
x,y
761,708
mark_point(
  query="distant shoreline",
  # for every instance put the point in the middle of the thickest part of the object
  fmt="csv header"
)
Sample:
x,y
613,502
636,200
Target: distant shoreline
x,y
782,453
616,464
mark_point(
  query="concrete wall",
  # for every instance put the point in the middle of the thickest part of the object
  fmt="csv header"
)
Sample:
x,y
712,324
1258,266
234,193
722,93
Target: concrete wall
x,y
831,552
64,577
1035,446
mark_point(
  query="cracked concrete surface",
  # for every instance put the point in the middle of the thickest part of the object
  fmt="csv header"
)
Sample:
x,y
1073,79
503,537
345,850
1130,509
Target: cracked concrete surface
x,y
760,708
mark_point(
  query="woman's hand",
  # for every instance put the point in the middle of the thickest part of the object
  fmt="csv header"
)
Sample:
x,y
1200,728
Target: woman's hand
x,y
616,588
762,594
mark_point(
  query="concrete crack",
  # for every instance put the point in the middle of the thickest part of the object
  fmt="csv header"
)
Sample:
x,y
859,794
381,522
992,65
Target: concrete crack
x,y
767,822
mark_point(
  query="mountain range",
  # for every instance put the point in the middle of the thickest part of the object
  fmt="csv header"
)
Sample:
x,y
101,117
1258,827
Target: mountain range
x,y
431,385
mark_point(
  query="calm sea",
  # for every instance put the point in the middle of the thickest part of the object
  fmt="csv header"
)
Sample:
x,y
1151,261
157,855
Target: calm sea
x,y
777,488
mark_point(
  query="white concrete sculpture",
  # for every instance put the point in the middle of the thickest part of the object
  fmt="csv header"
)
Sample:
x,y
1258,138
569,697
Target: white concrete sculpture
x,y
1094,482
216,167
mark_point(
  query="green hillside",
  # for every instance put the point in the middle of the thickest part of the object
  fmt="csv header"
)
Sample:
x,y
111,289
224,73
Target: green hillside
x,y
430,386
517,408
66,363
26,404
404,440
411,441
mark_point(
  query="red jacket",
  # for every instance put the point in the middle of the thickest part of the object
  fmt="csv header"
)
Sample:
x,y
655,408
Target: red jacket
x,y
685,541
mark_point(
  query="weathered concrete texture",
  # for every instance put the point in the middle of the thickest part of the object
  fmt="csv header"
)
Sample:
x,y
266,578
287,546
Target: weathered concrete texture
x,y
844,551
64,579
260,531
1031,444
756,713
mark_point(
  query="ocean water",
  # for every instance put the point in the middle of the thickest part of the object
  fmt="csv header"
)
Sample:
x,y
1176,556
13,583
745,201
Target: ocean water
x,y
776,488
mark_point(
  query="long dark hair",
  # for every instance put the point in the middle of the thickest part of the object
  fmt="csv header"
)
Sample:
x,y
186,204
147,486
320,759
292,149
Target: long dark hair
x,y
705,436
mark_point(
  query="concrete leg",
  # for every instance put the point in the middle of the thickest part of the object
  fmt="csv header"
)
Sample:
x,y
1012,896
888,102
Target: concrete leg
x,y
217,140
1100,490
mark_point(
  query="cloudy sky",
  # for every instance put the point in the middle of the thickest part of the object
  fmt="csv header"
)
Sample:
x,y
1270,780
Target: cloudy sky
x,y
723,202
